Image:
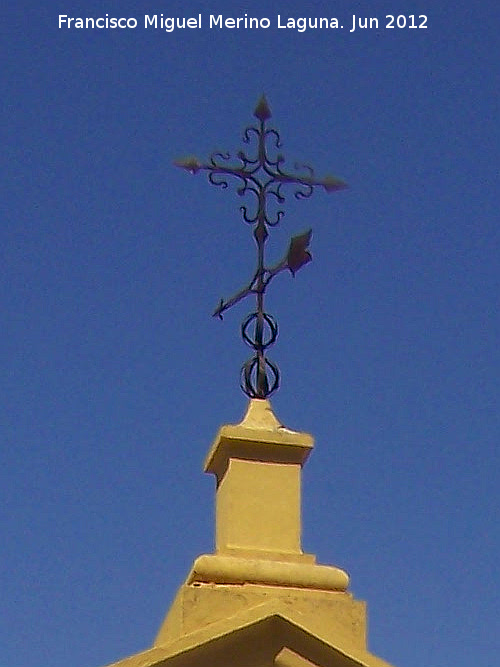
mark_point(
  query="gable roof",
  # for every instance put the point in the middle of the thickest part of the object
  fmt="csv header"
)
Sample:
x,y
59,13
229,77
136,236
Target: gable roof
x,y
262,636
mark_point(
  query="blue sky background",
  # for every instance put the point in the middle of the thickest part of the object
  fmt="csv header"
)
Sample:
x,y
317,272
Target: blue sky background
x,y
115,377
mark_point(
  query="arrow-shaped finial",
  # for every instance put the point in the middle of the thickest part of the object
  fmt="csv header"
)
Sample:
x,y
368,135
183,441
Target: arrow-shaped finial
x,y
262,110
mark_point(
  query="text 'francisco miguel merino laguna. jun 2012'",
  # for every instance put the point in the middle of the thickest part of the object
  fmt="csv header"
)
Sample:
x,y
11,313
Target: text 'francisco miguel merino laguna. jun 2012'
x,y
218,21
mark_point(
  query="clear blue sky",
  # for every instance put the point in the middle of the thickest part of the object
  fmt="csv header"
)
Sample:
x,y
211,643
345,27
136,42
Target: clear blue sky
x,y
115,377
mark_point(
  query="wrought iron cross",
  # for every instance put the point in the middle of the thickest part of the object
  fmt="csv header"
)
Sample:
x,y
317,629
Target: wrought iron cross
x,y
264,177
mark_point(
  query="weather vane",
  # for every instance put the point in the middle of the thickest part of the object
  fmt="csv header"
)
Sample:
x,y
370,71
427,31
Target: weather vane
x,y
263,177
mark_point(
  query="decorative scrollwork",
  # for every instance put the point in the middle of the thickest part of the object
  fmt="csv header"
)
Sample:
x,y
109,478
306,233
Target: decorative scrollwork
x,y
263,176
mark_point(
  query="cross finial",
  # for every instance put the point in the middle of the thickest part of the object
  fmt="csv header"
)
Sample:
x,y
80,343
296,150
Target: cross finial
x,y
264,177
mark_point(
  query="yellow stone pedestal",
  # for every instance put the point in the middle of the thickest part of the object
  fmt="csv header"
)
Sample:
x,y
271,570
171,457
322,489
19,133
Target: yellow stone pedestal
x,y
259,601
